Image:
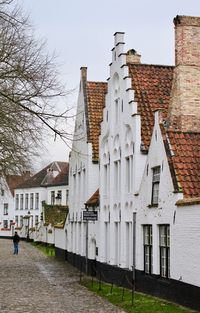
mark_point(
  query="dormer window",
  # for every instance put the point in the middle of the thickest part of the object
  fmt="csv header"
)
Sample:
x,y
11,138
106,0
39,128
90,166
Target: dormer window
x,y
155,185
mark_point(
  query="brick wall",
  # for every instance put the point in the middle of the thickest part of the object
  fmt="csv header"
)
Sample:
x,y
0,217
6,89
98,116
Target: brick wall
x,y
184,110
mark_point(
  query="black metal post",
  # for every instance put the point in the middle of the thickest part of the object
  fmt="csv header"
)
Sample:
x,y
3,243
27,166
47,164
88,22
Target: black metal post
x,y
134,243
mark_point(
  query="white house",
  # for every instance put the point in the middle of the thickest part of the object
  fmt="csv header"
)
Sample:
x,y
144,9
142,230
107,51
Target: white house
x,y
8,183
50,185
83,172
168,204
126,130
146,186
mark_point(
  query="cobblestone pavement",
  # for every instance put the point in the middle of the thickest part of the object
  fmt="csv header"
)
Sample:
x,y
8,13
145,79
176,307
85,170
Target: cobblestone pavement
x,y
31,282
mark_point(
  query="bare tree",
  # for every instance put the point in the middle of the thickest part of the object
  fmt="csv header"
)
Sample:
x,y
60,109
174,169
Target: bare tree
x,y
29,91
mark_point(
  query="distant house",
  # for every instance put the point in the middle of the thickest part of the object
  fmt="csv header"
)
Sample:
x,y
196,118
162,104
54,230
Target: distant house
x,y
7,217
50,185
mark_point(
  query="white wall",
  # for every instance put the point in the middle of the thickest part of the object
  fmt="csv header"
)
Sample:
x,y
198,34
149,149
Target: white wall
x,y
119,139
34,212
83,182
186,239
64,190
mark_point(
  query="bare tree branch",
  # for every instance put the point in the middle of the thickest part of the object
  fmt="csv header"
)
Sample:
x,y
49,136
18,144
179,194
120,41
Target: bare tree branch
x,y
30,91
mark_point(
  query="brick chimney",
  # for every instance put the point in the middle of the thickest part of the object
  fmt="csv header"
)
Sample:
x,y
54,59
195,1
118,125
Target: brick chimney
x,y
184,108
132,56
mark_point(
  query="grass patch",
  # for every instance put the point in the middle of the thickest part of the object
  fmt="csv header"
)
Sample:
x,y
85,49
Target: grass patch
x,y
142,303
48,250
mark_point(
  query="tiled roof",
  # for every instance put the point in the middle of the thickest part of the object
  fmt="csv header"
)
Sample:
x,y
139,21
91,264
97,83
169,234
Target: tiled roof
x,y
152,86
55,214
61,178
14,180
94,113
185,161
45,177
94,199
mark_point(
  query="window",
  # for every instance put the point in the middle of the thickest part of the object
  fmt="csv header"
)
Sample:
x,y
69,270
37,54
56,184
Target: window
x,y
37,201
117,178
16,220
26,201
164,233
148,253
59,197
21,220
129,174
52,197
67,196
36,219
21,202
17,202
31,201
155,185
2,192
5,209
5,224
105,185
74,184
117,111
84,183
59,194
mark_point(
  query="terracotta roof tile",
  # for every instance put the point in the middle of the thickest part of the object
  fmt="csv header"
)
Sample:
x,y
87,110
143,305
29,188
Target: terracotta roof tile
x,y
45,178
94,199
14,180
62,177
96,92
152,85
185,159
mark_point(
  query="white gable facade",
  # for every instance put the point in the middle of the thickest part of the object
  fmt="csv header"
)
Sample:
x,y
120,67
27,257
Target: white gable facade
x,y
121,163
83,182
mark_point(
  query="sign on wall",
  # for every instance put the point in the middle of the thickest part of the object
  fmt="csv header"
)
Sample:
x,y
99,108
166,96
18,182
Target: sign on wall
x,y
90,215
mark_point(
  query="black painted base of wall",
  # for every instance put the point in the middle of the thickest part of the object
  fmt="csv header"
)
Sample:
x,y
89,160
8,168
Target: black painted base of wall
x,y
169,289
5,237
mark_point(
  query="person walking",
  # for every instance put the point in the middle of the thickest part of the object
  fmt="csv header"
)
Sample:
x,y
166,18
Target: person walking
x,y
16,240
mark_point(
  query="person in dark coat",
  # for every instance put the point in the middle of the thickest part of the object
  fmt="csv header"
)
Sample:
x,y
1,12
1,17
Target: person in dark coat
x,y
16,240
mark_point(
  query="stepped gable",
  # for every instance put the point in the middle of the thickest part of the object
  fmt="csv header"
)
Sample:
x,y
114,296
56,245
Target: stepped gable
x,y
184,153
96,92
152,85
44,177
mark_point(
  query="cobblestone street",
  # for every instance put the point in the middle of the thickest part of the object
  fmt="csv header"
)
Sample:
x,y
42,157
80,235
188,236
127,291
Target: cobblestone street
x,y
31,282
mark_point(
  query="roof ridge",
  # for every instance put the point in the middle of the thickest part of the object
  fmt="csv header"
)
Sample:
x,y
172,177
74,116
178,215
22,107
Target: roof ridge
x,y
96,82
146,64
182,132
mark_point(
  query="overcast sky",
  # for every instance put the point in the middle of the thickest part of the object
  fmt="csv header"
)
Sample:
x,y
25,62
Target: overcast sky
x,y
81,34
